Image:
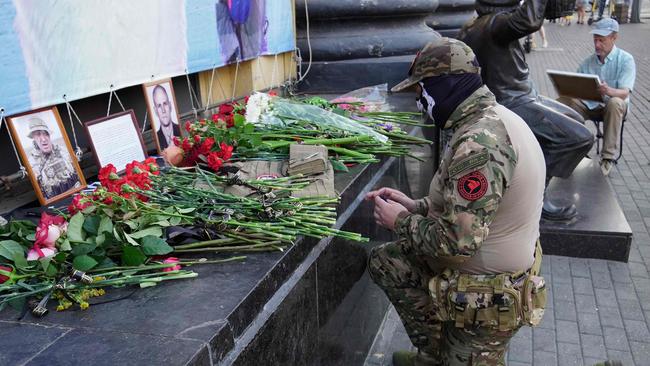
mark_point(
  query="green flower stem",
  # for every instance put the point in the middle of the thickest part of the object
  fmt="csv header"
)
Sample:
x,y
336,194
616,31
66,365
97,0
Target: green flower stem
x,y
218,242
231,248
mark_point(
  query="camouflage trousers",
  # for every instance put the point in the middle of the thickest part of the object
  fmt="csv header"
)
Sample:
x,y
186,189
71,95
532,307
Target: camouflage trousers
x,y
405,278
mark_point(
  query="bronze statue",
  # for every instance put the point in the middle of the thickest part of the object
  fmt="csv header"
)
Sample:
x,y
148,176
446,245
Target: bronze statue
x,y
494,37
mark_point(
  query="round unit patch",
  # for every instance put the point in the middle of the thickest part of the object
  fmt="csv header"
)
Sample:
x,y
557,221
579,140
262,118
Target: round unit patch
x,y
472,186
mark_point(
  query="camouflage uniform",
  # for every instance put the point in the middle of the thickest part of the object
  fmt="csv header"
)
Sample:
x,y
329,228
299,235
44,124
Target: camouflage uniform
x,y
450,225
54,171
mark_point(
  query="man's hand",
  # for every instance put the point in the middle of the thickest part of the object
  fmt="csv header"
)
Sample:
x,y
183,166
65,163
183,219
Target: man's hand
x,y
604,89
393,195
386,212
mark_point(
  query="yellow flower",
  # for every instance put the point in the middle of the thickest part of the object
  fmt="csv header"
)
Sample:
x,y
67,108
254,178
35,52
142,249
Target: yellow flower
x,y
84,305
60,308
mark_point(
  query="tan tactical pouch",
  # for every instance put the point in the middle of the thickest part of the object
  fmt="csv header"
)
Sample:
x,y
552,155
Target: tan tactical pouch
x,y
493,301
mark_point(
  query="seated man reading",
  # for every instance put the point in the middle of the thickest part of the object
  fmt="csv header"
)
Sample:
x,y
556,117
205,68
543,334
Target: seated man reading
x,y
617,72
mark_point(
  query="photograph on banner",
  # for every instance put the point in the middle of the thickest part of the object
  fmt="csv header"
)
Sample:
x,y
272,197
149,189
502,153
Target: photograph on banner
x,y
163,112
116,140
45,150
242,28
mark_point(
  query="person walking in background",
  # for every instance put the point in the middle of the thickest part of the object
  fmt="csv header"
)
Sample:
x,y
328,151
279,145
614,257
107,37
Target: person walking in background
x,y
581,6
542,36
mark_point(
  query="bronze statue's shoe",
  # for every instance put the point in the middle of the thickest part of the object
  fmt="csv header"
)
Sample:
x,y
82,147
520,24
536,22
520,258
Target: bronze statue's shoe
x,y
609,363
553,212
407,358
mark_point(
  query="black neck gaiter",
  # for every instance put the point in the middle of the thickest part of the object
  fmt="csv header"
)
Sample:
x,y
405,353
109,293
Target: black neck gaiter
x,y
442,94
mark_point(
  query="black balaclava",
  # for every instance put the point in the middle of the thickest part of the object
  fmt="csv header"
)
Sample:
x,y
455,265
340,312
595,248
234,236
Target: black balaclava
x,y
442,94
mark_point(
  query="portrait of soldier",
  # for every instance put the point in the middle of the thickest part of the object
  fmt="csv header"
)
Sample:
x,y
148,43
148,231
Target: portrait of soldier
x,y
167,127
51,163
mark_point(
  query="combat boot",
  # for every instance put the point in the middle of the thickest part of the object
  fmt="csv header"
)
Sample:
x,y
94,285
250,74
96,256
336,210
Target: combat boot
x,y
420,358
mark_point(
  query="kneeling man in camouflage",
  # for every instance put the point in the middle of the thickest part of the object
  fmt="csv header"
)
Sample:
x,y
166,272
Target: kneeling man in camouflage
x,y
463,275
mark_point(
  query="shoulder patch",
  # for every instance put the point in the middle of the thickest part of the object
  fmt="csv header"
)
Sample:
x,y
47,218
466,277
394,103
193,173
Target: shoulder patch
x,y
470,162
472,186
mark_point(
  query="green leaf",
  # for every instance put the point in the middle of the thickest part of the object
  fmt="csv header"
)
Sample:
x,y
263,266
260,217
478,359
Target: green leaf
x,y
108,212
60,257
51,271
20,261
88,210
81,249
174,220
338,166
65,245
106,263
75,226
9,248
45,263
91,224
132,224
162,223
238,119
100,239
132,256
152,245
186,210
84,262
99,252
105,225
31,237
131,240
147,284
150,231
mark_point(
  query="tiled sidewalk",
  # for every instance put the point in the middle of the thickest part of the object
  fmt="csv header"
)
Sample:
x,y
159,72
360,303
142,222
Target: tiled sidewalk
x,y
598,309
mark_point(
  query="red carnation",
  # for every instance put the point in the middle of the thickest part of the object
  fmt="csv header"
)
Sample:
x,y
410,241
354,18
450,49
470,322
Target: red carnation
x,y
214,161
79,202
226,151
4,278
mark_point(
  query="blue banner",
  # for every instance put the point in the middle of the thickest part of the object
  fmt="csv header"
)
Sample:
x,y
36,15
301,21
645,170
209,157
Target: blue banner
x,y
80,48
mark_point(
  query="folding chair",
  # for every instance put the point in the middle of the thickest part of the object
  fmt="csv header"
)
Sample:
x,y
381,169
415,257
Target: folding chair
x,y
599,135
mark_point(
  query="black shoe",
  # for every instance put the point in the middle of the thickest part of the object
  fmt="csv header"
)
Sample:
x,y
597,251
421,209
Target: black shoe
x,y
609,363
553,212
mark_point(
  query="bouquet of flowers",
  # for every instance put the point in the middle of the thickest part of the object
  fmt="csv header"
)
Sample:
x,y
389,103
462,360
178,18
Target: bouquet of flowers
x,y
121,233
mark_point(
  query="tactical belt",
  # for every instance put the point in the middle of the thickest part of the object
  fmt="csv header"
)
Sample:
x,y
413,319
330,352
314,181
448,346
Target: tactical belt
x,y
507,300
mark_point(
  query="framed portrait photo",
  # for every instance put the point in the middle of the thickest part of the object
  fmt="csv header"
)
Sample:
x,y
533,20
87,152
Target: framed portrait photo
x,y
45,150
116,140
163,112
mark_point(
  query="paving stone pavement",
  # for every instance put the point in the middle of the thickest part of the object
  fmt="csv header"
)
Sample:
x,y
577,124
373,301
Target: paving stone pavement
x,y
597,309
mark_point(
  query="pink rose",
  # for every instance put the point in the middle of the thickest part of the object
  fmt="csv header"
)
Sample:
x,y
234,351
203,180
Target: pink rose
x,y
36,253
49,230
173,155
172,268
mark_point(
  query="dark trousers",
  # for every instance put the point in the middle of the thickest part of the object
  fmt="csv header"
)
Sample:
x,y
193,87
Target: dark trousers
x,y
561,133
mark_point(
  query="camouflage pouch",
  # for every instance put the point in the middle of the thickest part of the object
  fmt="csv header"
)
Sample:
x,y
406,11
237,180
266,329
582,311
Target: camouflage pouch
x,y
533,295
477,300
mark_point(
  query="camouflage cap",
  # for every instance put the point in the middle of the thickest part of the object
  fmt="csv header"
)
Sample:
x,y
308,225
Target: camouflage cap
x,y
440,57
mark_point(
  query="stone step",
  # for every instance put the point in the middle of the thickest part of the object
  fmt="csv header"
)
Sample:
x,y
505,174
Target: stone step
x,y
600,230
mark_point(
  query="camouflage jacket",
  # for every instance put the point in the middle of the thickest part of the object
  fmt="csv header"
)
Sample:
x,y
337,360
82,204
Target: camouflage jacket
x,y
54,172
453,221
